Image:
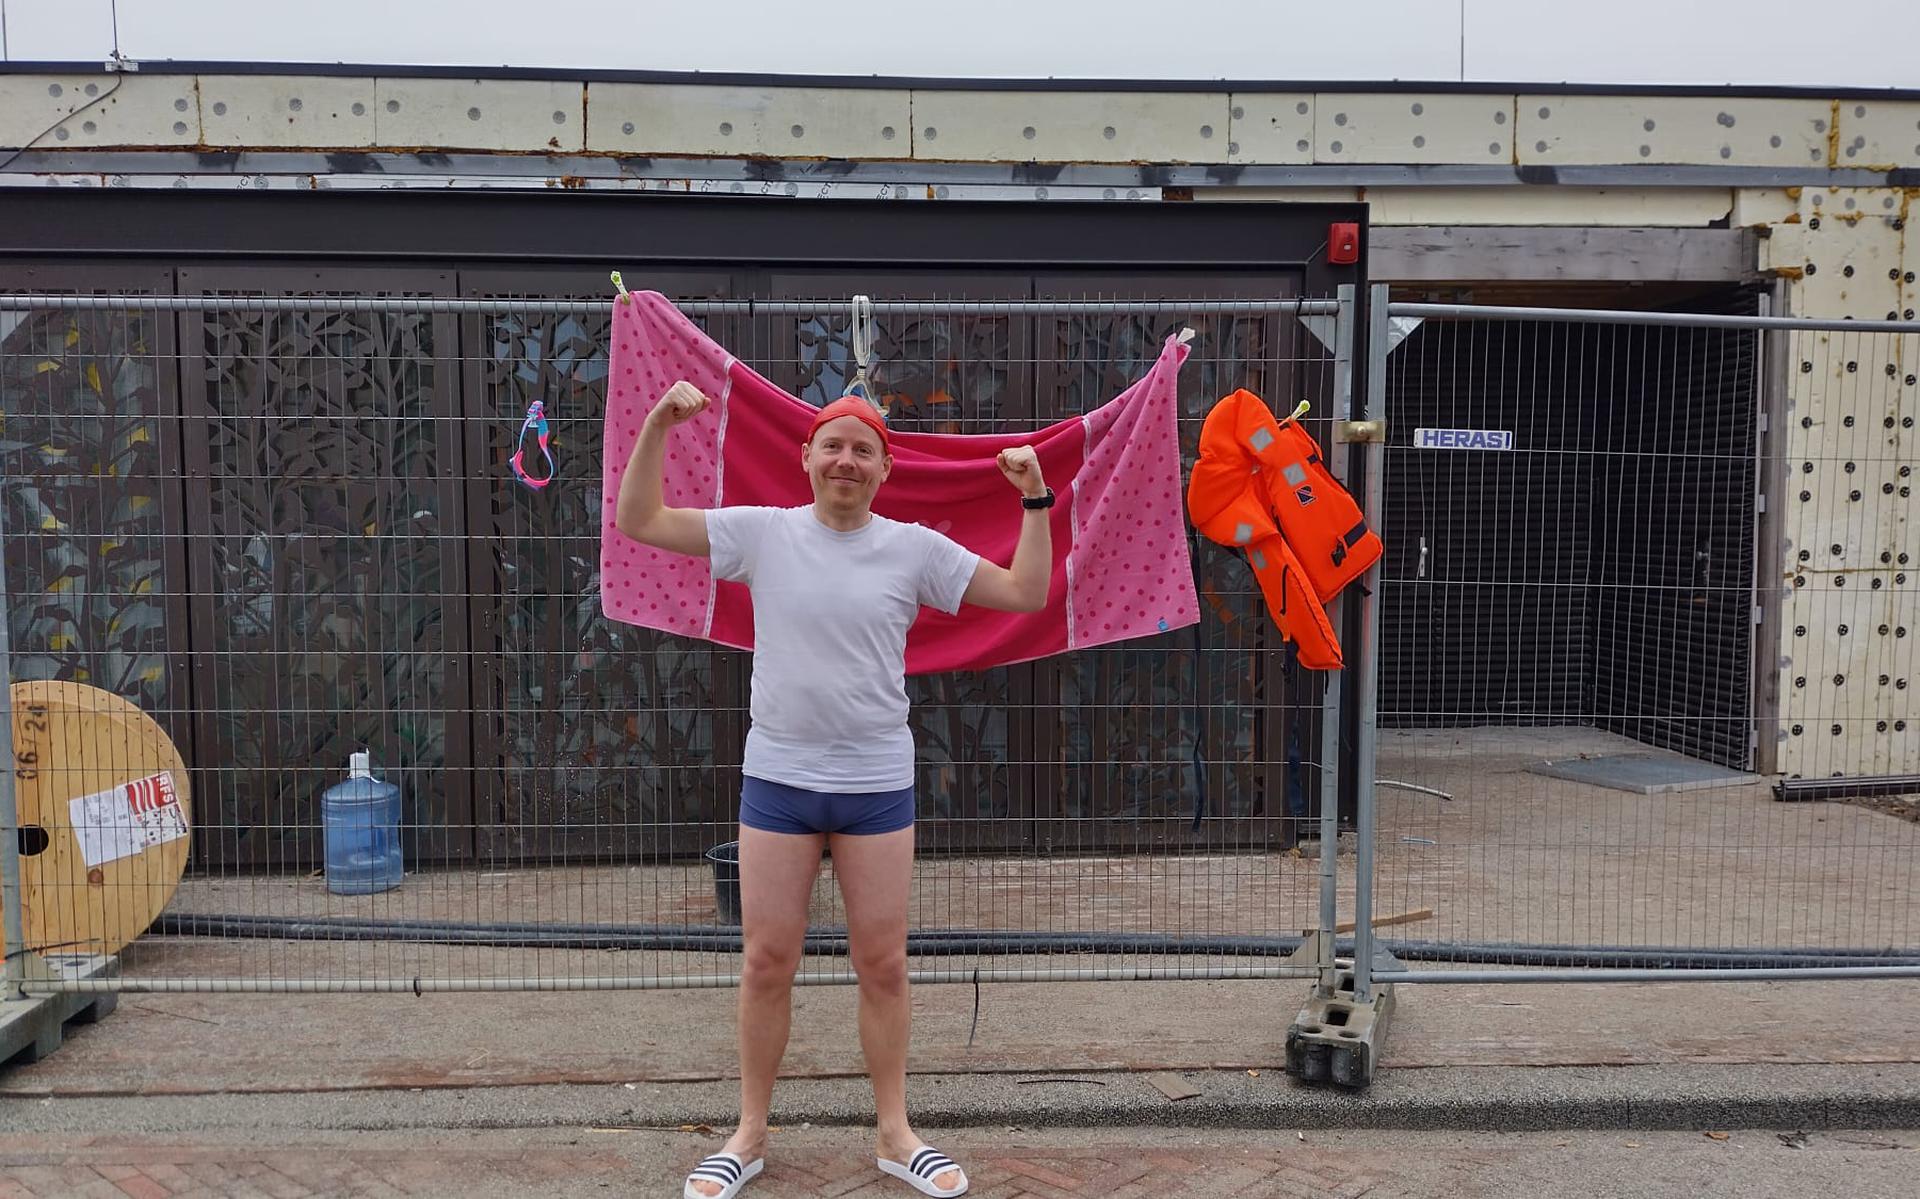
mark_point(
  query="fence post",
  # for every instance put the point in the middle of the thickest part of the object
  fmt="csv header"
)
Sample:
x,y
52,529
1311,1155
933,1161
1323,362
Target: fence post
x,y
1773,355
1364,662
1348,296
1336,1036
10,886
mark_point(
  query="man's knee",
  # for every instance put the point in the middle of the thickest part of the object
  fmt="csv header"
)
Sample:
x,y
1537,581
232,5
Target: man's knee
x,y
770,963
882,967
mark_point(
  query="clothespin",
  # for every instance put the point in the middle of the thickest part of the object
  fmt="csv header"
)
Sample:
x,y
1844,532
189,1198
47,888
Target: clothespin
x,y
1299,411
626,297
863,336
1186,335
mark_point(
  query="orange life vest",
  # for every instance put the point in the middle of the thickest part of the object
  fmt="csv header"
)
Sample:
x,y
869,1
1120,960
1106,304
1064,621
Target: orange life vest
x,y
1261,485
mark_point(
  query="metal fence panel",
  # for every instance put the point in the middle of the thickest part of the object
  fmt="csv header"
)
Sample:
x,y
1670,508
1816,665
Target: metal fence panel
x,y
283,526
1575,683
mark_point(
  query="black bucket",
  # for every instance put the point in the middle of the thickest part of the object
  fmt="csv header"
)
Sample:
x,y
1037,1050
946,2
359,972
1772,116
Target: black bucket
x,y
726,880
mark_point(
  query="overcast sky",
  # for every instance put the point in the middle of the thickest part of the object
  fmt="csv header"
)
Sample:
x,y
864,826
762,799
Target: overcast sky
x,y
1865,43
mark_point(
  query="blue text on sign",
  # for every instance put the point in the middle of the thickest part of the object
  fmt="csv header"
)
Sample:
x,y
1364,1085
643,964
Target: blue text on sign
x,y
1463,439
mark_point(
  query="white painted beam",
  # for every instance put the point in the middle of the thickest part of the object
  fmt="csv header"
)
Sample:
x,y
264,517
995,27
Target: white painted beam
x,y
1071,126
1271,127
771,122
283,111
1878,132
481,114
1413,128
70,111
1748,131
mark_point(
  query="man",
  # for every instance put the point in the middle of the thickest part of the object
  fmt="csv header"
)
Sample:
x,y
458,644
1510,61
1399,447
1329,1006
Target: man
x,y
829,758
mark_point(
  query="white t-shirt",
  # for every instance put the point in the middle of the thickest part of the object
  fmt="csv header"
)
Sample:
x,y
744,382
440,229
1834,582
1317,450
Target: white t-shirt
x,y
830,617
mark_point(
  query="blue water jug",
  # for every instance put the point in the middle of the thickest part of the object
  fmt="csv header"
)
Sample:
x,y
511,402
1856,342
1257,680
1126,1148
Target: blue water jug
x,y
362,821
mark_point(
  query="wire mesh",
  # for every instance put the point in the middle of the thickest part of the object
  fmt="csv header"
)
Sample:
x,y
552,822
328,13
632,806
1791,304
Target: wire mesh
x,y
283,528
1639,572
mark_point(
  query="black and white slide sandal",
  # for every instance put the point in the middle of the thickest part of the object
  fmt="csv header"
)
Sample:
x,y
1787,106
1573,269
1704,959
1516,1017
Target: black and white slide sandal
x,y
926,1164
729,1172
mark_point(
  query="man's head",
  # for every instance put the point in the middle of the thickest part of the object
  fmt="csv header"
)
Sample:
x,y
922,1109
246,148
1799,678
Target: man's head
x,y
845,455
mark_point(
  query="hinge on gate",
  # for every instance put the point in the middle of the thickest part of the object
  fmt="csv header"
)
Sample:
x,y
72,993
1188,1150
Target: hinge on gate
x,y
1760,503
1763,422
1757,614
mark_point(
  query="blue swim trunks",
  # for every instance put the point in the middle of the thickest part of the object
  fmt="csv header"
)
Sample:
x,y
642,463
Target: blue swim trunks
x,y
778,808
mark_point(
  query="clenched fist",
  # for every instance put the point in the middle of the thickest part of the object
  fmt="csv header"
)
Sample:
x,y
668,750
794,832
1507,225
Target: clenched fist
x,y
681,404
1022,468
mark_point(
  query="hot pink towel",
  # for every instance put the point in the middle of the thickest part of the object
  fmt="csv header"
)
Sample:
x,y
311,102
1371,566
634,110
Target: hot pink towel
x,y
1120,564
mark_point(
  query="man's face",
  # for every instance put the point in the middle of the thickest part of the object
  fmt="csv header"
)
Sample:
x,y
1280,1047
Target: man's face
x,y
846,463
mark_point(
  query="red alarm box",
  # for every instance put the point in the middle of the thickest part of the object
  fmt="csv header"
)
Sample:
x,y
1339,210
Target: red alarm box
x,y
1343,243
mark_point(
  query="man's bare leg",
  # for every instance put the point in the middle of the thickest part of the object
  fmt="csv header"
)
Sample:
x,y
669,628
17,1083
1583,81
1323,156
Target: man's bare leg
x,y
776,880
875,875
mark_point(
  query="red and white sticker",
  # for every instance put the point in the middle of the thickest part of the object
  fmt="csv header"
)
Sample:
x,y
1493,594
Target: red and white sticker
x,y
125,820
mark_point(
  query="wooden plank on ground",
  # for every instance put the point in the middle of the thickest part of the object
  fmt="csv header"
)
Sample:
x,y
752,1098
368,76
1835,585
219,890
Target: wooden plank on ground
x,y
1411,917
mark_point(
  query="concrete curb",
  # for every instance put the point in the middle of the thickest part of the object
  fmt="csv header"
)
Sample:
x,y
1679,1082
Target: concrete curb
x,y
1504,1099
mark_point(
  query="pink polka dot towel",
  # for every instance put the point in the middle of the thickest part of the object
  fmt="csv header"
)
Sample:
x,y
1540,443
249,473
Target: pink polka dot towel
x,y
1120,567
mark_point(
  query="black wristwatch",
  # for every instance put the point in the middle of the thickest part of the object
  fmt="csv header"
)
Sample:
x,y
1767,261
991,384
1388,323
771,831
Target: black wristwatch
x,y
1033,503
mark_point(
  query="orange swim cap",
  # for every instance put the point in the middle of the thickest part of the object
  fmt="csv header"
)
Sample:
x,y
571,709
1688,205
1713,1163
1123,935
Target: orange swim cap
x,y
855,407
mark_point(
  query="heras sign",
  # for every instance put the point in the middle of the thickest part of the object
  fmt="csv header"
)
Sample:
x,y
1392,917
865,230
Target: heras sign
x,y
1463,439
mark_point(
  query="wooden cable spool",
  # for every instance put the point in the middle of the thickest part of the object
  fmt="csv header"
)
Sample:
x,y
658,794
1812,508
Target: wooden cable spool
x,y
96,875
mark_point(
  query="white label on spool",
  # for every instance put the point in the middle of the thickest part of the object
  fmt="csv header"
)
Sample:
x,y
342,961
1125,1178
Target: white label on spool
x,y
124,820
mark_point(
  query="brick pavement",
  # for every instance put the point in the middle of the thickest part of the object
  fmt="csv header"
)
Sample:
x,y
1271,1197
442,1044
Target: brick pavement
x,y
1005,1164
1111,1171
116,1168
152,1171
